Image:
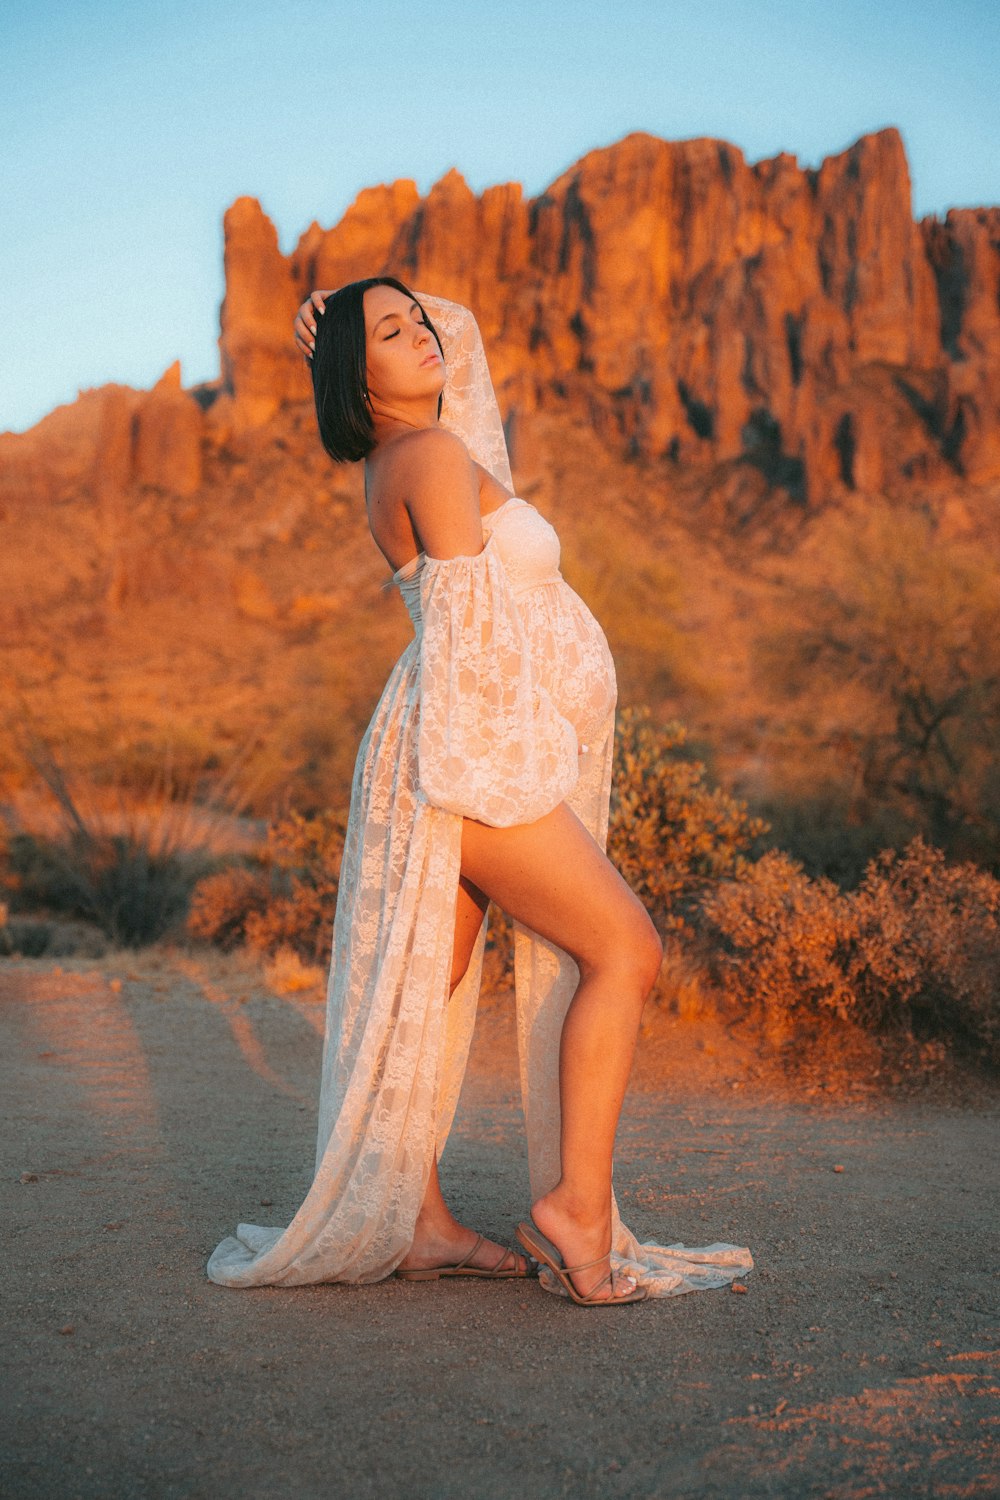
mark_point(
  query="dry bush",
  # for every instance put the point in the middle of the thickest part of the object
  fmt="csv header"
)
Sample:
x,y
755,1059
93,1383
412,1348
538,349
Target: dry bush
x,y
916,948
885,661
122,854
927,951
671,835
785,946
287,901
222,903
304,855
286,974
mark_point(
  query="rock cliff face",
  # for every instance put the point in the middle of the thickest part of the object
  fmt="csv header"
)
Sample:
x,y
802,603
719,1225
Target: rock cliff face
x,y
793,322
690,304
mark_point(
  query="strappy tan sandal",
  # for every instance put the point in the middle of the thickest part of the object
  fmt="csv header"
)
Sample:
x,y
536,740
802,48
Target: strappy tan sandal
x,y
499,1272
535,1242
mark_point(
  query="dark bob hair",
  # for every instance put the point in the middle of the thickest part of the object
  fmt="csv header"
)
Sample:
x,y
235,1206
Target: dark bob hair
x,y
340,370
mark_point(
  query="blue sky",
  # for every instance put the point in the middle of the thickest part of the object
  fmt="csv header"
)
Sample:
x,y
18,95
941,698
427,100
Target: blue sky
x,y
127,129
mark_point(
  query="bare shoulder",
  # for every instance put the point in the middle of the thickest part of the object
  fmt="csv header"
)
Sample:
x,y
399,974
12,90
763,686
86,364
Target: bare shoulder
x,y
431,450
439,484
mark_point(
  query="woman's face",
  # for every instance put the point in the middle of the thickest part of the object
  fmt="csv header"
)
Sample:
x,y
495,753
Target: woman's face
x,y
403,357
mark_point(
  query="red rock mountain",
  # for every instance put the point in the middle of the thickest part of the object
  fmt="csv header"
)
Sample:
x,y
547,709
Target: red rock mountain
x,y
699,360
689,305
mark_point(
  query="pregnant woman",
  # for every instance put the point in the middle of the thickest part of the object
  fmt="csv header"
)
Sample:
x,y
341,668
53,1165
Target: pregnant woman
x,y
483,776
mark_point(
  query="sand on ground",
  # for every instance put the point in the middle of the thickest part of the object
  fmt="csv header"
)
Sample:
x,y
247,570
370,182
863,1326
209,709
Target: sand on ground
x,y
152,1102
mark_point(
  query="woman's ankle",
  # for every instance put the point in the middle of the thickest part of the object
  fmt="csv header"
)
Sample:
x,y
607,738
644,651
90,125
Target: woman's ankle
x,y
582,1210
436,1223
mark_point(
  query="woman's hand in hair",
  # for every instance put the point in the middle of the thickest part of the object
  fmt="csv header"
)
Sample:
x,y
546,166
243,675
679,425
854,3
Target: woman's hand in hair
x,y
305,321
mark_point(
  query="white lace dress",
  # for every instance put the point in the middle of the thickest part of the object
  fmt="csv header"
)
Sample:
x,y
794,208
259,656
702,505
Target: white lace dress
x,y
507,676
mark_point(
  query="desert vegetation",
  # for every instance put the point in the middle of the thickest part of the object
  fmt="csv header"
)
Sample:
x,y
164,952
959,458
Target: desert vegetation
x,y
287,900
912,953
824,707
121,853
880,659
909,953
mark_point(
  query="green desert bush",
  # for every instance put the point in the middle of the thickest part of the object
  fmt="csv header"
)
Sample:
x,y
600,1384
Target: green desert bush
x,y
820,830
29,939
134,884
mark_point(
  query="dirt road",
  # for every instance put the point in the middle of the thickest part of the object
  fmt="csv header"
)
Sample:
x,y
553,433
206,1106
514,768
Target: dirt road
x,y
150,1104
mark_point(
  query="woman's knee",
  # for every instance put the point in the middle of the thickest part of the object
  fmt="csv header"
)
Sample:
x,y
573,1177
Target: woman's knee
x,y
630,945
647,950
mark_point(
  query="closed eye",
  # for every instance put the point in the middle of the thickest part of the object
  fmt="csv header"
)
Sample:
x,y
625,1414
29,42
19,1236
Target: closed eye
x,y
393,334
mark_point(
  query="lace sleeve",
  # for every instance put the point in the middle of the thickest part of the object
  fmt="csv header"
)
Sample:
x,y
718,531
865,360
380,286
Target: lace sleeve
x,y
491,743
469,408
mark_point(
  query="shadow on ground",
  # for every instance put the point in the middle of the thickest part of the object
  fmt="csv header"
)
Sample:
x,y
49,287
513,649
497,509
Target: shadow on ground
x,y
150,1105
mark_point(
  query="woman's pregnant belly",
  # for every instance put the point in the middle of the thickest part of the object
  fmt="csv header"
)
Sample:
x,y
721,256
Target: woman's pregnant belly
x,y
572,655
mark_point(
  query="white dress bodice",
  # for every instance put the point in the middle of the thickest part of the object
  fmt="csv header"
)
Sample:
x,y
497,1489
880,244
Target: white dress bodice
x,y
569,649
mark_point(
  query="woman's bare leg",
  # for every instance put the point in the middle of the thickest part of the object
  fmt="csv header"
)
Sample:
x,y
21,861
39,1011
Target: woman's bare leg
x,y
552,877
439,1239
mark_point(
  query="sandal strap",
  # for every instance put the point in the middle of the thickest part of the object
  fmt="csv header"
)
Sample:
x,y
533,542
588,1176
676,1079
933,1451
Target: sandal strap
x,y
591,1297
463,1263
494,1269
572,1270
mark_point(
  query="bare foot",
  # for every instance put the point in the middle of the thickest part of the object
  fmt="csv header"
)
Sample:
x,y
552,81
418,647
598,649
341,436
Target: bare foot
x,y
446,1247
579,1241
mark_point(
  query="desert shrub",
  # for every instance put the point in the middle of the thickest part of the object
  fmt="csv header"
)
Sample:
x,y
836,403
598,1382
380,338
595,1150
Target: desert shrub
x,y
820,831
29,939
123,854
927,950
135,885
303,855
670,834
884,653
784,943
221,904
916,948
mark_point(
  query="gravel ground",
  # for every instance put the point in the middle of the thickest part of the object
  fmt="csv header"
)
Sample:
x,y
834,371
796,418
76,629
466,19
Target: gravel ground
x,y
151,1103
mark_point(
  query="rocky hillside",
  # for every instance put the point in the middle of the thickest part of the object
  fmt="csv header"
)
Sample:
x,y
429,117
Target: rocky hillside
x,y
696,357
688,304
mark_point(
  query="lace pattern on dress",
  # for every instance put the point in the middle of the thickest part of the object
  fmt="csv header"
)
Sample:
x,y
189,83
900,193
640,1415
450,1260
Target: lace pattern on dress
x,y
477,719
470,406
